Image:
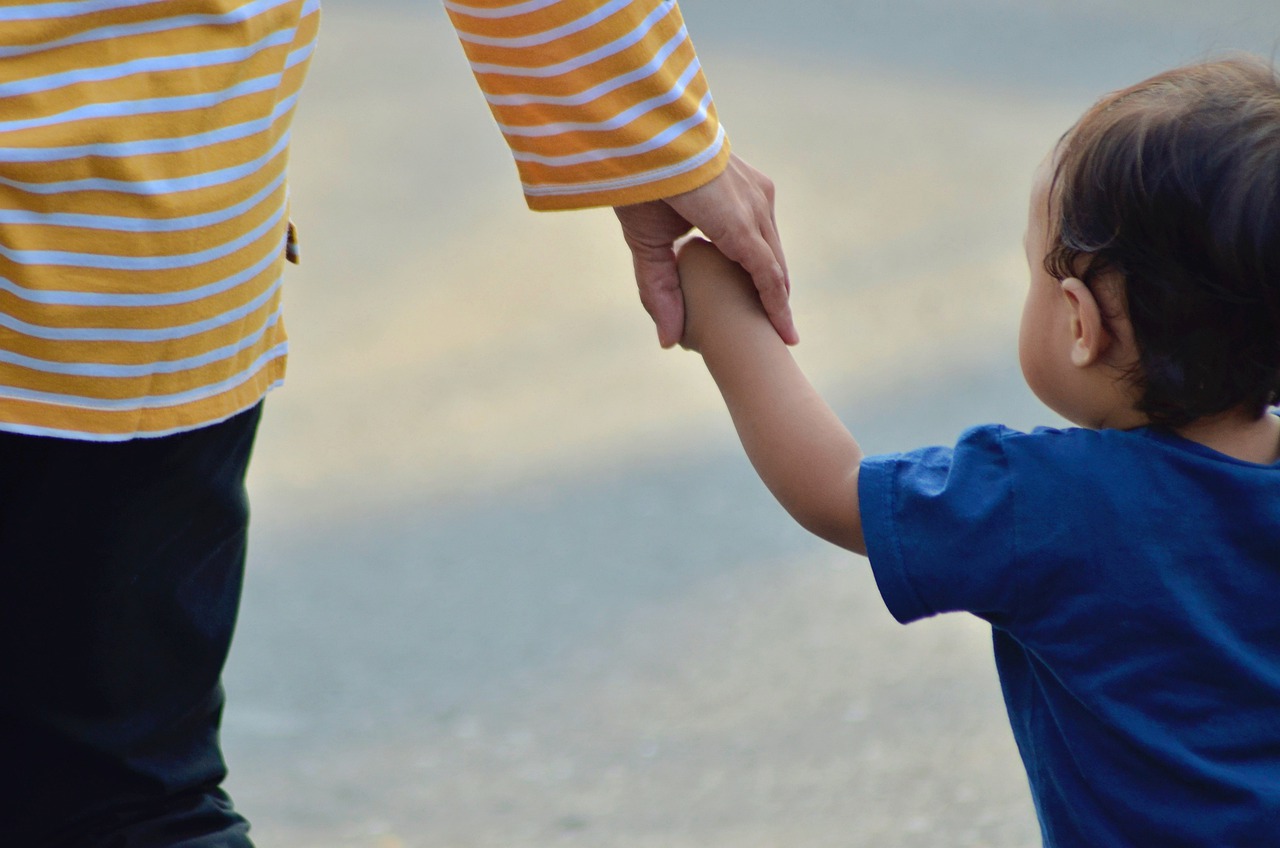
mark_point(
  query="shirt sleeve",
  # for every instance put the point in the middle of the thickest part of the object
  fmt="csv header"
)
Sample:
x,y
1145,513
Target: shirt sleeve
x,y
940,528
602,102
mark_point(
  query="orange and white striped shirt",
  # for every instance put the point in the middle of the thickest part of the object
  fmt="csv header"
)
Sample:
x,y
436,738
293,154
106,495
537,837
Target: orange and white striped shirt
x,y
602,102
143,201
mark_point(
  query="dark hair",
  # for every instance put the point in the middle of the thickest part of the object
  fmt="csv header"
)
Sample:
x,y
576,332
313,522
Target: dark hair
x,y
1173,185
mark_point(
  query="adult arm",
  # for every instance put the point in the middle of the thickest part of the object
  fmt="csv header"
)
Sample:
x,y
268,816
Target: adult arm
x,y
604,103
798,446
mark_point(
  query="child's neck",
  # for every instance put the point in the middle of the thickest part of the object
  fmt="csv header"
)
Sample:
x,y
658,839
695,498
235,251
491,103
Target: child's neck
x,y
1238,435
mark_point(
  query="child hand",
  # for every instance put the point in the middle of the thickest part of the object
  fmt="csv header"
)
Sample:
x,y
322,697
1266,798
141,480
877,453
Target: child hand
x,y
718,293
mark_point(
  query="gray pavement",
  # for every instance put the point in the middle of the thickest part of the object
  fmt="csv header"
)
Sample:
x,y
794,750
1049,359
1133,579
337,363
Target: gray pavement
x,y
512,583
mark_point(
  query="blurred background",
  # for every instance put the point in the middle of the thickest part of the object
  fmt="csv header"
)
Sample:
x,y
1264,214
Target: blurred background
x,y
512,582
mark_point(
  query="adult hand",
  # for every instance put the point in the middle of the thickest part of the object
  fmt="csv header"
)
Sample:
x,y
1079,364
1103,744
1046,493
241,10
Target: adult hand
x,y
734,211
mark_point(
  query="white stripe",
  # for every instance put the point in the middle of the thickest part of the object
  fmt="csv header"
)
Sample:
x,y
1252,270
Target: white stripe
x,y
110,371
547,36
617,46
595,93
161,105
111,334
501,12
631,181
195,182
151,64
154,106
149,401
169,262
303,53
150,147
62,297
46,11
148,27
112,223
660,140
619,120
82,436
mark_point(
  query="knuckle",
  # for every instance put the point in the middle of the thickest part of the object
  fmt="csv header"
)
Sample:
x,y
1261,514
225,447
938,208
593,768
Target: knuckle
x,y
770,190
731,245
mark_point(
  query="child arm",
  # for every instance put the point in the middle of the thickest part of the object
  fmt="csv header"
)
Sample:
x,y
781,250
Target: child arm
x,y
798,446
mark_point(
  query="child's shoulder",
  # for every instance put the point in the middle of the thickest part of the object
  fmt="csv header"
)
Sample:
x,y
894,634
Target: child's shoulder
x,y
1079,455
1050,465
1146,464
998,443
1002,438
1069,439
1098,446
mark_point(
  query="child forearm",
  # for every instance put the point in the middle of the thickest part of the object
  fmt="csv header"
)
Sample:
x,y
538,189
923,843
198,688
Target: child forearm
x,y
800,449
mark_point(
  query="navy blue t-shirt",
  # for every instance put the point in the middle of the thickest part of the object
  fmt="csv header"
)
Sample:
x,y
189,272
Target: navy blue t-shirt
x,y
1132,581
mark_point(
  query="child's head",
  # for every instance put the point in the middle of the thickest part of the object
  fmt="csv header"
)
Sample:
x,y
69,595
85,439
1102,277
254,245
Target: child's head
x,y
1162,205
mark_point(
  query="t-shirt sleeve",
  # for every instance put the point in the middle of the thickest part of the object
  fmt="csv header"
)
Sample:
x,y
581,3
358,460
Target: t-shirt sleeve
x,y
602,102
939,527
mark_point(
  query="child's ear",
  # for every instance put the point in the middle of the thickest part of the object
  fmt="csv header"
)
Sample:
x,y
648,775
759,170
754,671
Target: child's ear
x,y
1090,338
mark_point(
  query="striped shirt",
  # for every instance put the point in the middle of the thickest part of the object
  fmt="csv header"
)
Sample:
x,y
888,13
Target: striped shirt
x,y
143,201
603,102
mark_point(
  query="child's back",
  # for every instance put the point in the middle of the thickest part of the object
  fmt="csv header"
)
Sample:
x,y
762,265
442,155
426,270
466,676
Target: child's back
x,y
1128,567
1130,579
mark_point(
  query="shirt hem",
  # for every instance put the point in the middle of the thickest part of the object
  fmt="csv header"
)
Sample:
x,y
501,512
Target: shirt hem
x,y
876,486
654,190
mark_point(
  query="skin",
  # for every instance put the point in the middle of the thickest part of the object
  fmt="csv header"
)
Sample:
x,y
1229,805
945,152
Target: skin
x,y
800,449
736,212
1075,348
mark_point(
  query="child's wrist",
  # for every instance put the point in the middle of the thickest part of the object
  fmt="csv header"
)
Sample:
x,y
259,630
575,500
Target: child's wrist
x,y
719,296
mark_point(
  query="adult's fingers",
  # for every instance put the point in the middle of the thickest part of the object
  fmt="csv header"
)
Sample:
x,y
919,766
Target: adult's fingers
x,y
650,231
775,242
736,212
759,253
659,285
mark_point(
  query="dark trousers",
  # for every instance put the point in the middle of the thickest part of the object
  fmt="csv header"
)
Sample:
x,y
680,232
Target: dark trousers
x,y
120,574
